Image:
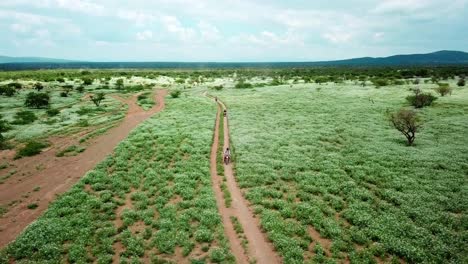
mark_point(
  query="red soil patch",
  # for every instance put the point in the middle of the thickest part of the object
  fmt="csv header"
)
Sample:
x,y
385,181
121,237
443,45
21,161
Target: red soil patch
x,y
57,175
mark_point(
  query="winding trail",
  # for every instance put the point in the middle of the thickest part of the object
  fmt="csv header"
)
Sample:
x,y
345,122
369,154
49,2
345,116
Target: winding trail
x,y
57,175
259,249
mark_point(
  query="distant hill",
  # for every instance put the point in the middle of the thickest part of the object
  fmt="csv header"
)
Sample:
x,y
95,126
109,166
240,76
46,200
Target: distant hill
x,y
434,58
444,57
6,59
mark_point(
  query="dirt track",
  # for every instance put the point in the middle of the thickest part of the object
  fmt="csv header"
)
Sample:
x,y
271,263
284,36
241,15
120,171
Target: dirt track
x,y
56,175
259,249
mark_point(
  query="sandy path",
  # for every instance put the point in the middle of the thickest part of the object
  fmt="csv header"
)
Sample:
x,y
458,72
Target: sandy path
x,y
56,175
226,213
259,248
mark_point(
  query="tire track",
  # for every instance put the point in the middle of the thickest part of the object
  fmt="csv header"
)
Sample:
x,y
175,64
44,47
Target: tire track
x,y
260,250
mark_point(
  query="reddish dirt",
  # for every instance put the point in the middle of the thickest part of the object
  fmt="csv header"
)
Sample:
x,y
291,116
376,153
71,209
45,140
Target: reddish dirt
x,y
259,247
56,175
226,213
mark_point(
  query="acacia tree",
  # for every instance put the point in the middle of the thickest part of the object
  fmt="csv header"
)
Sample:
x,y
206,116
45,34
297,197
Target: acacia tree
x,y
407,122
97,98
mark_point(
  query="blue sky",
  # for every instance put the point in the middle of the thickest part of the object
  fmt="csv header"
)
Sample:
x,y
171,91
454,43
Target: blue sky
x,y
229,30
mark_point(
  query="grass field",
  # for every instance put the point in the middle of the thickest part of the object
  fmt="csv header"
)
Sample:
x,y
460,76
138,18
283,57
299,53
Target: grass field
x,y
324,158
329,177
151,200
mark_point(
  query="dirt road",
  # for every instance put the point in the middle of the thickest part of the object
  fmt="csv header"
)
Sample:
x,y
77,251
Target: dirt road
x,y
40,178
259,249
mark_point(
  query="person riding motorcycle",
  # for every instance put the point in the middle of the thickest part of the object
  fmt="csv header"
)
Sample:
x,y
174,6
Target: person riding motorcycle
x,y
227,155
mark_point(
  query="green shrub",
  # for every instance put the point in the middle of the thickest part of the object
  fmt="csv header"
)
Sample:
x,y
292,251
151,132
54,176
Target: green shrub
x,y
52,112
380,82
4,127
461,82
32,148
444,89
175,93
24,117
80,88
420,99
32,206
218,87
37,100
241,84
7,91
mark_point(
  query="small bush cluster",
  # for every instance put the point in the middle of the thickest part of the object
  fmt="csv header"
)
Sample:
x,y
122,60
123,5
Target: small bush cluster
x,y
420,99
32,148
24,118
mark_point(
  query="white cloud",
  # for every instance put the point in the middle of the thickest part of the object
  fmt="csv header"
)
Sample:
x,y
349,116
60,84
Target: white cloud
x,y
173,25
81,6
338,37
378,35
20,28
138,17
208,32
400,6
144,35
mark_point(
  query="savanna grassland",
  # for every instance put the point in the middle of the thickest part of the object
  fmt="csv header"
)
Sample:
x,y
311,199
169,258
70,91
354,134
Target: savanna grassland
x,y
331,179
150,201
327,174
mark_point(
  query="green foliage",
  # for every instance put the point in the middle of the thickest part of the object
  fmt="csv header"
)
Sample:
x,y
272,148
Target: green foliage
x,y
7,90
97,98
38,86
80,89
218,87
52,111
32,148
444,89
119,84
420,99
175,93
461,82
331,163
37,100
380,82
4,127
24,117
407,122
87,81
32,206
242,84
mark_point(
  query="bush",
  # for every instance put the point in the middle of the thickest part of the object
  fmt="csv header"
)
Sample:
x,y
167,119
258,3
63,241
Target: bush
x,y
24,118
38,86
218,87
97,98
80,88
461,82
32,206
380,82
52,112
7,91
407,122
15,85
87,81
4,127
119,84
37,100
32,148
175,93
444,89
419,99
243,85
60,80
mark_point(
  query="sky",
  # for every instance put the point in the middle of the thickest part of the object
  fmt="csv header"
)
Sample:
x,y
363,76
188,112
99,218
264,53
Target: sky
x,y
230,30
